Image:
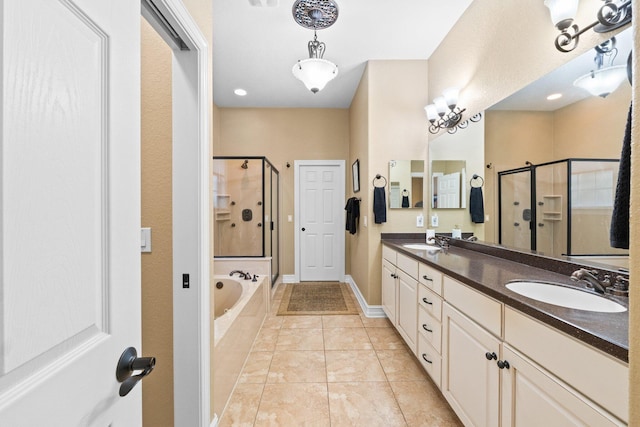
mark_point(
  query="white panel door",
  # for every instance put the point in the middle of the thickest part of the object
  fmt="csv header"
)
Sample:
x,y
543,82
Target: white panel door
x,y
449,190
70,210
322,225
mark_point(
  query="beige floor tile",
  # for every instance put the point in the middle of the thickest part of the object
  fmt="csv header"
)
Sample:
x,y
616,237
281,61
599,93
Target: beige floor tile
x,y
401,365
346,339
256,368
385,339
297,367
294,405
243,406
423,405
353,365
272,322
302,322
300,339
266,340
363,404
375,322
342,321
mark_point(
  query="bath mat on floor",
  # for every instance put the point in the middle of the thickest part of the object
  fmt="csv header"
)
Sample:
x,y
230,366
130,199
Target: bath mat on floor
x,y
316,298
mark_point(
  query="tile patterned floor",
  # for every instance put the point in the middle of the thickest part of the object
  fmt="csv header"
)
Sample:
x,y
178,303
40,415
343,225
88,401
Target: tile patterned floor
x,y
340,370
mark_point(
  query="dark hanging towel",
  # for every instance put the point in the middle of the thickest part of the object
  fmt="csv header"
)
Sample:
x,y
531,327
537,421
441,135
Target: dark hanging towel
x,y
476,205
379,205
405,199
619,232
353,214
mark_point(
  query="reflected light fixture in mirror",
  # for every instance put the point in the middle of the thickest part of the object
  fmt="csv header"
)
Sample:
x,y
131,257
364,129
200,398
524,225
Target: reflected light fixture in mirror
x,y
315,72
602,81
612,15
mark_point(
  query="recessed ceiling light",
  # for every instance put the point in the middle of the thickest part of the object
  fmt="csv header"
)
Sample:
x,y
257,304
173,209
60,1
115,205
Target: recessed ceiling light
x,y
240,92
554,96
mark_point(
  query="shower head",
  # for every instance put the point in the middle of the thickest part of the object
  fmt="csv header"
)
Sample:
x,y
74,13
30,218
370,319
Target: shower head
x,y
245,165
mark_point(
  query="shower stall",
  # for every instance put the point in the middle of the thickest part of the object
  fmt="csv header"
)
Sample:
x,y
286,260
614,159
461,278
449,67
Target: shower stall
x,y
246,209
560,208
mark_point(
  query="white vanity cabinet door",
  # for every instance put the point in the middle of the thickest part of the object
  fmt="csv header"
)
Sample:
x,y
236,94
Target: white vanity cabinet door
x,y
531,397
470,381
408,309
389,291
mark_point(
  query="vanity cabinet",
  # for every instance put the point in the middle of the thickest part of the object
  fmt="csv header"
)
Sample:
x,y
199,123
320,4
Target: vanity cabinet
x,y
470,374
399,295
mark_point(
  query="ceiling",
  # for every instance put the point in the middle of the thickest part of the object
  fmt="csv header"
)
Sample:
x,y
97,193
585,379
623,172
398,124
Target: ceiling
x,y
534,96
257,42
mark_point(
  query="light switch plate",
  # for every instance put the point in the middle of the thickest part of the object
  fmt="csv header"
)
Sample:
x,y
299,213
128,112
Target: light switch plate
x,y
145,239
420,221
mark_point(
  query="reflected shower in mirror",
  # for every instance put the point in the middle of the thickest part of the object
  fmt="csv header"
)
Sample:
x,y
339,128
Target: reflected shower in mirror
x,y
406,184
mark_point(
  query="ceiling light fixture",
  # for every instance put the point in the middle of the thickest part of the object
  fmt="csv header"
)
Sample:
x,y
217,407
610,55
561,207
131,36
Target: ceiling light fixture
x,y
554,96
602,81
445,114
612,15
315,72
240,92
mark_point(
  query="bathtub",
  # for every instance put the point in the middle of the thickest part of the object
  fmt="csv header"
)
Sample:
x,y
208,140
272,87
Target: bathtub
x,y
239,308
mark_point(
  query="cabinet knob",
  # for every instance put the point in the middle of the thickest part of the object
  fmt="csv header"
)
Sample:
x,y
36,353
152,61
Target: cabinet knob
x,y
426,301
503,364
490,356
424,356
424,326
425,277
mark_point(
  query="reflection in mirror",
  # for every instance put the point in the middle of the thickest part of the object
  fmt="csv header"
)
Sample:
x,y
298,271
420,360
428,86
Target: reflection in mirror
x,y
530,129
406,183
448,178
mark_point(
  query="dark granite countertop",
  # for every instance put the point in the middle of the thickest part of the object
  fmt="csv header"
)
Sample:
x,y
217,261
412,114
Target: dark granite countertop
x,y
488,274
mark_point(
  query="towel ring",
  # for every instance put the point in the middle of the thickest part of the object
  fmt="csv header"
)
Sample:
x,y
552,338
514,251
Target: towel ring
x,y
378,176
405,192
476,177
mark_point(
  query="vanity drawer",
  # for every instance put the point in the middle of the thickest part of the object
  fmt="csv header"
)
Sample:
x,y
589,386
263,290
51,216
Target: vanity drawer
x,y
389,254
430,328
484,310
431,278
430,302
430,360
408,265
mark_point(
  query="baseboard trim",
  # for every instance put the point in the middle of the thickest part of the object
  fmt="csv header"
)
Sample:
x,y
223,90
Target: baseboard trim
x,y
373,311
288,278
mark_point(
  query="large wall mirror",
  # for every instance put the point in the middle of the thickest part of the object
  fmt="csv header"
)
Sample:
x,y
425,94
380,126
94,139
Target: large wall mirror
x,y
406,184
551,127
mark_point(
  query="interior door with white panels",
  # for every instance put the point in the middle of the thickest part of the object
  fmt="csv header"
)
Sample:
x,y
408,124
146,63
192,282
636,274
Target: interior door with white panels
x,y
70,203
321,221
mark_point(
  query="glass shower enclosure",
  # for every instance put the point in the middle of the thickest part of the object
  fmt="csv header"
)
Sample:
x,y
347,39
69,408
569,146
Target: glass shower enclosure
x,y
560,208
246,209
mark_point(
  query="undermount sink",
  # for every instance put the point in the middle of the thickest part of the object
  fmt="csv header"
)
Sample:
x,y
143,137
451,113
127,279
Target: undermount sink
x,y
564,296
422,246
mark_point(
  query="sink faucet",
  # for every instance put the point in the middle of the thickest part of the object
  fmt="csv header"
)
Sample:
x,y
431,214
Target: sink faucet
x,y
591,277
245,276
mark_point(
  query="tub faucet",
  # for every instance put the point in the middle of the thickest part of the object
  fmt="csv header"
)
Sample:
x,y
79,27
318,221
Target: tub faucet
x,y
591,277
245,276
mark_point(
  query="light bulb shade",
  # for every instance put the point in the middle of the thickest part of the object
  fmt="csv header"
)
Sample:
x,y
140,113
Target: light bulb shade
x,y
451,97
432,112
315,73
562,12
603,81
441,105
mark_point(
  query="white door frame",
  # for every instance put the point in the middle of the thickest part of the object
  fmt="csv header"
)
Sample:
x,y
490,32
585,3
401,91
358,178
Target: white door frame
x,y
341,175
191,235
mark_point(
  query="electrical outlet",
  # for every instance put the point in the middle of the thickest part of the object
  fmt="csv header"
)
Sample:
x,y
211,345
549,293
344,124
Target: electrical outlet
x,y
365,220
420,221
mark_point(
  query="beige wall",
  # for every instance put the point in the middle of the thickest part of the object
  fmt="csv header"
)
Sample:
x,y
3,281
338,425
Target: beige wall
x,y
157,272
499,60
284,135
388,123
157,292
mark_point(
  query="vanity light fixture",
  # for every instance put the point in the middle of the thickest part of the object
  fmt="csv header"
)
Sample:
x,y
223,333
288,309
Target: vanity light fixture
x,y
612,15
603,80
315,72
445,114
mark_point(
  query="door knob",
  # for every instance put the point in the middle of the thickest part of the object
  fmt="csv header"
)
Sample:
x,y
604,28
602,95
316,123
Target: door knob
x,y
303,229
128,363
